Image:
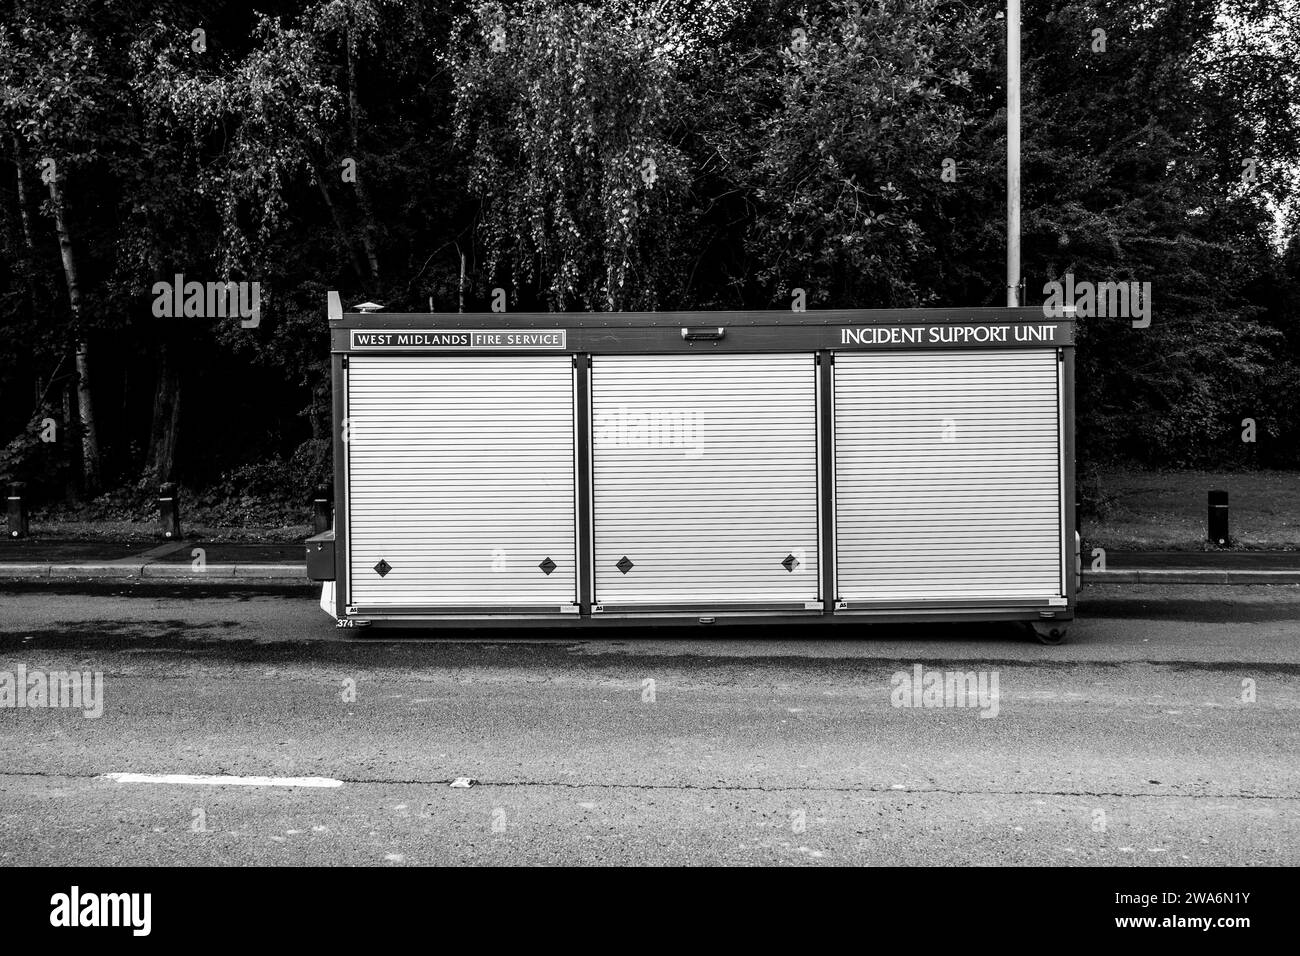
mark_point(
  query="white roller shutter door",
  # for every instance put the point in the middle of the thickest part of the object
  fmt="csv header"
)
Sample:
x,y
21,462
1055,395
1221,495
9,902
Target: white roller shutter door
x,y
461,481
704,475
948,476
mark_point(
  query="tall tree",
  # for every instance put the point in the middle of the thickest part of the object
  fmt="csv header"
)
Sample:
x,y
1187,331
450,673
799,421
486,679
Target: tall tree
x,y
90,463
58,95
565,112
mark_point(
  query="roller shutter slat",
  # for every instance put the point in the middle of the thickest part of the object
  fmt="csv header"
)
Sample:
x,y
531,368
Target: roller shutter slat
x,y
712,527
920,518
461,478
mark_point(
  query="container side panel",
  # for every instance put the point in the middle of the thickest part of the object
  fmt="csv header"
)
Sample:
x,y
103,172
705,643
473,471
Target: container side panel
x,y
461,481
948,476
705,479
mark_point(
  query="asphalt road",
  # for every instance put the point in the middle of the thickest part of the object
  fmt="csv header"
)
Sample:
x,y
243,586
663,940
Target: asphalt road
x,y
1131,745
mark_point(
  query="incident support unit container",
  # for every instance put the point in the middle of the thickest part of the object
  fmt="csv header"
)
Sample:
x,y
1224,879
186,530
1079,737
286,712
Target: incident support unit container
x,y
701,467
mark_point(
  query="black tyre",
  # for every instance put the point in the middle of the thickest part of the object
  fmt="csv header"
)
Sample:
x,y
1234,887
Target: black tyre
x,y
1049,632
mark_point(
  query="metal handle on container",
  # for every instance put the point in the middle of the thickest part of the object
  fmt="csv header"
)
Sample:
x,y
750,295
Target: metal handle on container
x,y
695,335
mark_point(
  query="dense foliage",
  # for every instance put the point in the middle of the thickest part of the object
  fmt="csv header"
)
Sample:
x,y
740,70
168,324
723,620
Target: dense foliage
x,y
624,154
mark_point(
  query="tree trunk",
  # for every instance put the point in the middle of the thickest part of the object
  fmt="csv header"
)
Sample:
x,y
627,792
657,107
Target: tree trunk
x,y
90,472
164,431
358,266
70,431
24,217
320,411
22,196
460,289
363,194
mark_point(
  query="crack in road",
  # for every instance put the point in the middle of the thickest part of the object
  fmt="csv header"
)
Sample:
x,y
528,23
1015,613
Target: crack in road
x,y
719,788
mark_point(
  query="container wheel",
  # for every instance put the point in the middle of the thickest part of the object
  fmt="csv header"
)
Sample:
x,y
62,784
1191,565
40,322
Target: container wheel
x,y
1049,632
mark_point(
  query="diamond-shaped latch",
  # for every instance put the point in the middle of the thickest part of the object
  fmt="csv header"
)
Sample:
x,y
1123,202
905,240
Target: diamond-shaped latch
x,y
383,567
547,565
624,564
790,562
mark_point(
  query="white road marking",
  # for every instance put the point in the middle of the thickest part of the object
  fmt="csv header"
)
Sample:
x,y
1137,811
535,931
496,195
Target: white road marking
x,y
217,780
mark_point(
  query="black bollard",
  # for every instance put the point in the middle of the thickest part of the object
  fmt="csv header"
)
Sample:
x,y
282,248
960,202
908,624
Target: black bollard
x,y
1218,519
17,511
322,514
169,511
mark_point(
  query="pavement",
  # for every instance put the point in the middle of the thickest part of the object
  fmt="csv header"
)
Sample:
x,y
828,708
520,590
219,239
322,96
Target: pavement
x,y
200,562
191,561
252,731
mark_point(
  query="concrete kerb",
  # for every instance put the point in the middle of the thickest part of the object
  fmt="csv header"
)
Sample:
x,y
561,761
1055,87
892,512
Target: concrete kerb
x,y
1190,576
182,573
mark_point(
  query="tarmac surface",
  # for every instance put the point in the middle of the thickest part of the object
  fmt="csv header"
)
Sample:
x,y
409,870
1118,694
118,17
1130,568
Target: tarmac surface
x,y
1165,733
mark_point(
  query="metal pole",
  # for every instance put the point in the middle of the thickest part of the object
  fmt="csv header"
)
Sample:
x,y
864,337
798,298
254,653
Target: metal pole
x,y
1013,153
322,510
169,511
1218,520
17,511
